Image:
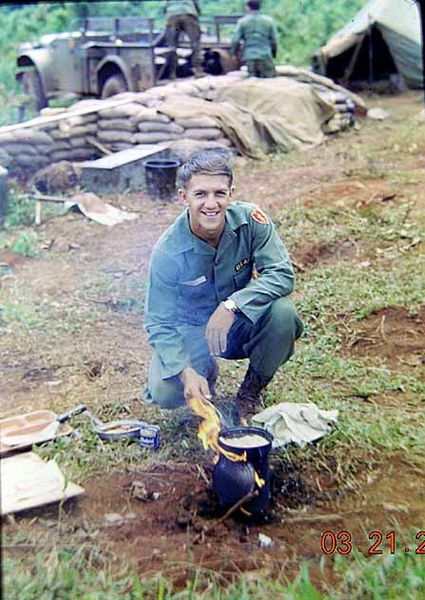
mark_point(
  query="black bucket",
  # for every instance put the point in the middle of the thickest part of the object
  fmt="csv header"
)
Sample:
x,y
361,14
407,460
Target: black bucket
x,y
233,480
160,176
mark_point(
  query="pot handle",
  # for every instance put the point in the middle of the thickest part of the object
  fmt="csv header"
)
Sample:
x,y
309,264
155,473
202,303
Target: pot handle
x,y
71,413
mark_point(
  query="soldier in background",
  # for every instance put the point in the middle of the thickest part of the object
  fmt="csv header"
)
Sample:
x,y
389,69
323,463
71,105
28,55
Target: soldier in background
x,y
257,32
182,17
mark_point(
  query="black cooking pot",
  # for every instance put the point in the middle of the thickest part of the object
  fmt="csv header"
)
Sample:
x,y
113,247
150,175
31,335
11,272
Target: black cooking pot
x,y
232,479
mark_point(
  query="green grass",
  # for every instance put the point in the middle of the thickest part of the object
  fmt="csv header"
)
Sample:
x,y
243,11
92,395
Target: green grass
x,y
70,572
21,210
21,314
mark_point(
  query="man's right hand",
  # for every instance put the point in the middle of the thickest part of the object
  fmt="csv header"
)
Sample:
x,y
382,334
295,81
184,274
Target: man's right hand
x,y
194,385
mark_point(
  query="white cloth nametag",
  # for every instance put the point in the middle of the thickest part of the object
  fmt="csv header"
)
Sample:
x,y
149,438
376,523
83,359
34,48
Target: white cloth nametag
x,y
197,281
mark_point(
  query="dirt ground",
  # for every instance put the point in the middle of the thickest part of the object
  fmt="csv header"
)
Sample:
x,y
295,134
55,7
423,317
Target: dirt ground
x,y
85,344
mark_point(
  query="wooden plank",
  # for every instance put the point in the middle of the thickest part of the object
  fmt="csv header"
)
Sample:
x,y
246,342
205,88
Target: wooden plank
x,y
123,157
40,121
28,481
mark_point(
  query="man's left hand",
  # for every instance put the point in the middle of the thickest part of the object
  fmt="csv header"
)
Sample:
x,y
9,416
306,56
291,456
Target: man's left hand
x,y
218,327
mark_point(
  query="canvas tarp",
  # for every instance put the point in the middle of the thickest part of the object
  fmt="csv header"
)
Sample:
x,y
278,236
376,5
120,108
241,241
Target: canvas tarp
x,y
399,23
261,115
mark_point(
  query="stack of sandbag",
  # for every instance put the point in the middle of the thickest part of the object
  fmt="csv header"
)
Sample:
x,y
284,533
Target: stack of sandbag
x,y
115,125
72,137
153,127
25,148
344,109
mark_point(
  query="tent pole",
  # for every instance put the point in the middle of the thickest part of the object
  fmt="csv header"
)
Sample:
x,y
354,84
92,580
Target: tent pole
x,y
349,70
370,55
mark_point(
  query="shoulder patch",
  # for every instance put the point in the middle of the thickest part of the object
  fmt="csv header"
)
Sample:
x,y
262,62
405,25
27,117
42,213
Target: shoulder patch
x,y
258,215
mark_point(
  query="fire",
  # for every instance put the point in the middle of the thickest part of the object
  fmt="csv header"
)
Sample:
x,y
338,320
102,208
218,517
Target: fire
x,y
209,429
210,426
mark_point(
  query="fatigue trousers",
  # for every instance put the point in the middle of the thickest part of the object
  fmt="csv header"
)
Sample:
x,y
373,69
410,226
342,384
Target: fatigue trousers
x,y
183,24
268,344
261,68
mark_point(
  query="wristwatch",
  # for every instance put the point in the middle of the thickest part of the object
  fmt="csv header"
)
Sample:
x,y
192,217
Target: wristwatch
x,y
230,305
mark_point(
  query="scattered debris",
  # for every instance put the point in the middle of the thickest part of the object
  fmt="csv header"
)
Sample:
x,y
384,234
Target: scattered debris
x,y
378,114
94,208
265,541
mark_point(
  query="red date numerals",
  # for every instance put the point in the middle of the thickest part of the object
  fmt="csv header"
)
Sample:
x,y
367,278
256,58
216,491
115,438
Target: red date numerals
x,y
421,548
341,543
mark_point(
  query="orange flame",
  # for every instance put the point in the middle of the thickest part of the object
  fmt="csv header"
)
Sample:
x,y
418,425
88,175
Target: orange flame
x,y
209,429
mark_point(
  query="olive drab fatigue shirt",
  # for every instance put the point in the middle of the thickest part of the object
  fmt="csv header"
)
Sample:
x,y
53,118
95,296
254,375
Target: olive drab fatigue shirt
x,y
175,8
188,278
258,33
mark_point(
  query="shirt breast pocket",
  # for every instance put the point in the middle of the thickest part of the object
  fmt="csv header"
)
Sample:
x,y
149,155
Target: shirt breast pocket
x,y
242,277
194,288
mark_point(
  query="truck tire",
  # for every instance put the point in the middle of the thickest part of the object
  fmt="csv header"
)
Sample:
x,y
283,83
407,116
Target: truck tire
x,y
113,85
34,89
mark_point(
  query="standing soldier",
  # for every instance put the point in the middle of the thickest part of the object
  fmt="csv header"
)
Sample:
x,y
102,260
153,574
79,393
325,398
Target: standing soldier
x,y
182,16
258,34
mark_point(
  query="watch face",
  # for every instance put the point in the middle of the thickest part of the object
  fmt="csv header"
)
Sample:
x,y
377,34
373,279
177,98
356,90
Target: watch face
x,y
230,305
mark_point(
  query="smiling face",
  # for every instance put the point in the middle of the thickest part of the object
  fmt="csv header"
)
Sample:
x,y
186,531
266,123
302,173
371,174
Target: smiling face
x,y
207,197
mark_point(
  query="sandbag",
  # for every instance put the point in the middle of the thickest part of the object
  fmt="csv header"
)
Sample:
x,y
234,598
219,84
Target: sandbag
x,y
195,122
77,142
16,148
60,145
77,130
153,137
58,155
186,87
81,120
147,126
33,136
149,115
114,135
6,138
203,133
119,112
30,161
121,124
42,149
83,153
184,148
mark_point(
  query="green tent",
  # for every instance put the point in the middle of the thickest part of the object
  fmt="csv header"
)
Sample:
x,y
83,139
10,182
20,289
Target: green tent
x,y
382,43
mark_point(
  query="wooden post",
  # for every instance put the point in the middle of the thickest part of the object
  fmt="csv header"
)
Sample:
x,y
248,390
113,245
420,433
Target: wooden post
x,y
38,212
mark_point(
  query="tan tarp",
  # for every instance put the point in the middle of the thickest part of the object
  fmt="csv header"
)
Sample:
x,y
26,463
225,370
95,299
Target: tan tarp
x,y
261,115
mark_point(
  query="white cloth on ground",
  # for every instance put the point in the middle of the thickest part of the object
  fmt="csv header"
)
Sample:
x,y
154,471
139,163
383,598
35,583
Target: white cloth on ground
x,y
299,423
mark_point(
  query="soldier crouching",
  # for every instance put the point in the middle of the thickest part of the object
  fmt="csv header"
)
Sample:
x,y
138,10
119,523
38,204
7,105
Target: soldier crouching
x,y
203,300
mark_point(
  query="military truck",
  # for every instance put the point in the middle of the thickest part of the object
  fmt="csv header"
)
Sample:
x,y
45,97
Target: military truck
x,y
109,55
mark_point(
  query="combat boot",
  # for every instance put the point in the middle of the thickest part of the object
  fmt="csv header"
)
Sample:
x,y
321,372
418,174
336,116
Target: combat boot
x,y
248,398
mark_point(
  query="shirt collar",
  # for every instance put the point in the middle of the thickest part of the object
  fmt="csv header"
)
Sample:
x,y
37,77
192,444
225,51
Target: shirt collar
x,y
235,217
